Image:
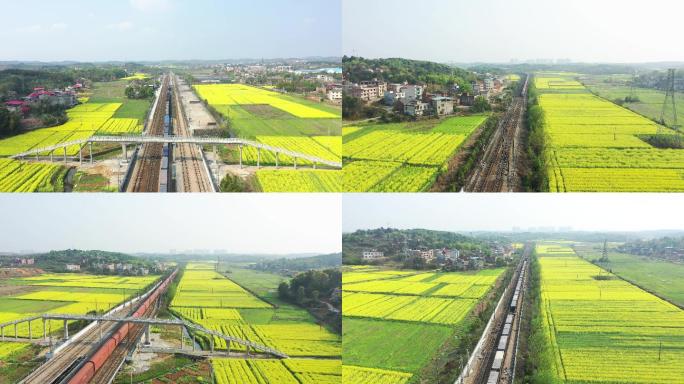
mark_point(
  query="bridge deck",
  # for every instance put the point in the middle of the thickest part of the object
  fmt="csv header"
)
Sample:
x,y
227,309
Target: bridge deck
x,y
178,140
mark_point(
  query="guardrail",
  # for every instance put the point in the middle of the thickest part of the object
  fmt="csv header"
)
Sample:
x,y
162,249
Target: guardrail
x,y
179,140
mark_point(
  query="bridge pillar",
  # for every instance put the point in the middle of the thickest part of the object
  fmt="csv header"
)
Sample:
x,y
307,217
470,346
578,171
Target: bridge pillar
x,y
66,330
124,152
36,155
99,327
80,155
212,343
90,150
295,163
147,334
314,165
181,334
227,347
2,333
65,154
16,335
29,325
51,152
248,350
44,330
276,156
258,157
193,341
240,146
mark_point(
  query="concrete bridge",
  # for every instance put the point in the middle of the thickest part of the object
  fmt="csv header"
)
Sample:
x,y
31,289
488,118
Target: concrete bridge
x,y
250,346
137,140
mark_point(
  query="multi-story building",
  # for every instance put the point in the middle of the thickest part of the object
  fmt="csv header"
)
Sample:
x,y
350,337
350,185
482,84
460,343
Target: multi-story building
x,y
443,105
415,108
413,92
391,97
334,94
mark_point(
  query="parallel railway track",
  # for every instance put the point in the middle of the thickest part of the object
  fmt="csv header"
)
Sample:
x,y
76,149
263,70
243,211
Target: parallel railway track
x,y
145,177
498,172
193,175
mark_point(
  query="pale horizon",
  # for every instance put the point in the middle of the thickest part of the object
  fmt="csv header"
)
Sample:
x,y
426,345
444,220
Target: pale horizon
x,y
236,223
497,31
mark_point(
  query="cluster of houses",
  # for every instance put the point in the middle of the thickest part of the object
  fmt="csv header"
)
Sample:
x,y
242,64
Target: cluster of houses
x,y
413,99
474,259
66,98
18,261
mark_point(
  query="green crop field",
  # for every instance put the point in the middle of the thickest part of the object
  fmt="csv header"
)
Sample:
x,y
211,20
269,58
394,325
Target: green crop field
x,y
284,121
402,157
66,293
601,329
661,277
425,308
595,145
215,302
650,102
106,112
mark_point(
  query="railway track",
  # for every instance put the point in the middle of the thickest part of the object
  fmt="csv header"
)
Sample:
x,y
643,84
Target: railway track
x,y
500,351
145,176
109,370
498,170
55,369
193,174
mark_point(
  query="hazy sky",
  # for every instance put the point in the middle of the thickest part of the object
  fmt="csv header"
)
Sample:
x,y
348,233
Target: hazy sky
x,y
500,30
95,30
496,212
237,223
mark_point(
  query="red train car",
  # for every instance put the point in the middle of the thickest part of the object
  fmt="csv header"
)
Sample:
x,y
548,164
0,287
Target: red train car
x,y
97,360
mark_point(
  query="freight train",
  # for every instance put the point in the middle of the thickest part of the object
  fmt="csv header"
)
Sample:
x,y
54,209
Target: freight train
x,y
87,370
495,370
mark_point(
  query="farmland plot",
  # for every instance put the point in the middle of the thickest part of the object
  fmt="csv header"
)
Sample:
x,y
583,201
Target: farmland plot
x,y
595,145
402,157
77,294
281,121
286,328
607,330
378,304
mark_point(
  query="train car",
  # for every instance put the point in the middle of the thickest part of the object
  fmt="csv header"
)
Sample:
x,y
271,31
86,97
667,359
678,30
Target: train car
x,y
498,360
506,330
163,180
493,377
503,341
509,318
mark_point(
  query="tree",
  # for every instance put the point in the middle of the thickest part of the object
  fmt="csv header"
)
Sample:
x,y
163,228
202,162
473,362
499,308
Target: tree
x,y
481,105
351,107
301,295
284,290
314,295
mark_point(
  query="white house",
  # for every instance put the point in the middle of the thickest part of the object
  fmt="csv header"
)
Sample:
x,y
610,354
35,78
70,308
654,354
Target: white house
x,y
372,255
334,94
73,267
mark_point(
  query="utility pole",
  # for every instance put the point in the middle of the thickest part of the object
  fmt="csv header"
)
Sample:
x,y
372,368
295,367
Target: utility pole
x,y
670,99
